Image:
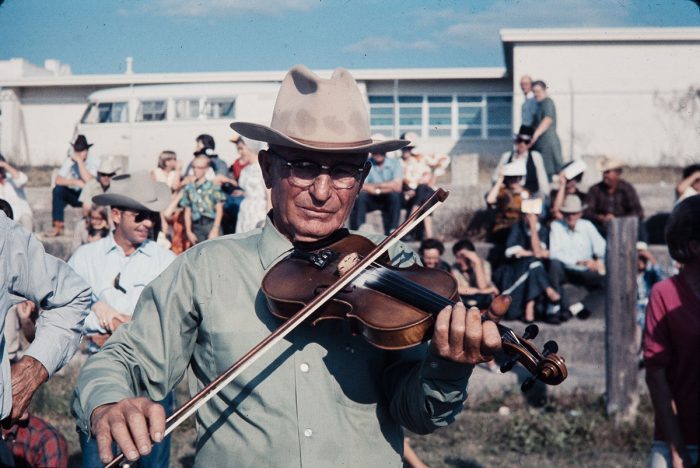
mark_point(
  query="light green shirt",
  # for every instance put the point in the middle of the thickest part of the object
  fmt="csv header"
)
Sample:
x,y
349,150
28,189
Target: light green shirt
x,y
319,398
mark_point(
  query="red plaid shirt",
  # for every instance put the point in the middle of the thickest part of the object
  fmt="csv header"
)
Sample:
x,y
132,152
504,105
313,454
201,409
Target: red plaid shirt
x,y
37,443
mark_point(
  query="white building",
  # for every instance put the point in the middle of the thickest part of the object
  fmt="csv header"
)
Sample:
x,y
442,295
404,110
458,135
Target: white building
x,y
634,93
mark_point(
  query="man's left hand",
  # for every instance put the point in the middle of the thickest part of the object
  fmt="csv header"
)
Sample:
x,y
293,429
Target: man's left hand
x,y
27,376
461,336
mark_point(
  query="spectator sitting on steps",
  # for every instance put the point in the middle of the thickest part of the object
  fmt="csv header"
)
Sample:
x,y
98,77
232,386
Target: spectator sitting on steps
x,y
690,185
75,172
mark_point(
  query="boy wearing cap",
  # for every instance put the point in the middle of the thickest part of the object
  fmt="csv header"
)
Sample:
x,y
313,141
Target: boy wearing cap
x,y
296,405
75,172
108,168
203,202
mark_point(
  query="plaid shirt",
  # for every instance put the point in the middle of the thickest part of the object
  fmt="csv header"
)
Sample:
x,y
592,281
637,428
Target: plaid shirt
x,y
37,443
622,202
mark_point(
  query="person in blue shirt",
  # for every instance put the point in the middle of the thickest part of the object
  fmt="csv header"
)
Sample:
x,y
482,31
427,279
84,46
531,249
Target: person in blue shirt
x,y
381,191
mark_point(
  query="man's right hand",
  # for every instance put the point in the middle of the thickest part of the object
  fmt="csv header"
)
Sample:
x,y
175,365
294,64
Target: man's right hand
x,y
134,424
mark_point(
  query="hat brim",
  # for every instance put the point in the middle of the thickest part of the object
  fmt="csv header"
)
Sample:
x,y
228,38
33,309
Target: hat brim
x,y
263,133
115,199
570,211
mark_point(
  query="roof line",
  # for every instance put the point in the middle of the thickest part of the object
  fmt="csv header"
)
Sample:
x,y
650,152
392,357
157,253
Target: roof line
x,y
690,34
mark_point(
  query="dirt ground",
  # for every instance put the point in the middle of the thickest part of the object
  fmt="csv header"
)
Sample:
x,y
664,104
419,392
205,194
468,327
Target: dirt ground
x,y
497,430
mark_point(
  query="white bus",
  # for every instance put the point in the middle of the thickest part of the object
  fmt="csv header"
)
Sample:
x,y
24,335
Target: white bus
x,y
139,122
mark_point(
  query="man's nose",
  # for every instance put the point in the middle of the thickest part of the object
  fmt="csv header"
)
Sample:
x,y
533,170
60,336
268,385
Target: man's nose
x,y
322,187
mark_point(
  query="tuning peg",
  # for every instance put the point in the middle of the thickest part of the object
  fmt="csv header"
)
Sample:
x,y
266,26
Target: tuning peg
x,y
508,365
531,332
550,347
527,384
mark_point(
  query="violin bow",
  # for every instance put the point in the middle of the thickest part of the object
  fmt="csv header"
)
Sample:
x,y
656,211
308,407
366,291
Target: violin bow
x,y
216,385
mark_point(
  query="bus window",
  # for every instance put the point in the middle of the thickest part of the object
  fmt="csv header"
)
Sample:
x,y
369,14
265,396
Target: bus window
x,y
220,108
186,109
105,112
151,111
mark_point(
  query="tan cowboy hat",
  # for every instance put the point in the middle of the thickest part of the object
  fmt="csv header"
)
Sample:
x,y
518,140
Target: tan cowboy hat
x,y
318,114
608,163
109,165
136,191
572,204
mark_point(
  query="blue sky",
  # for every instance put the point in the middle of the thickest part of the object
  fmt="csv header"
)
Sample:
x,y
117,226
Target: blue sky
x,y
94,36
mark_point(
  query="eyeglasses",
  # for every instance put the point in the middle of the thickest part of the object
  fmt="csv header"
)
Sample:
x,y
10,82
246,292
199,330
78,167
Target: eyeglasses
x,y
141,215
302,174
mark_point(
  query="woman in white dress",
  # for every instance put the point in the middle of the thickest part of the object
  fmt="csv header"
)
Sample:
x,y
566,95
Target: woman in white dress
x,y
255,204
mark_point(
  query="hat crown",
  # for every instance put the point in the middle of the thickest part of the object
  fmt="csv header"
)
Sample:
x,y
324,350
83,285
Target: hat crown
x,y
515,168
136,191
80,143
572,204
307,108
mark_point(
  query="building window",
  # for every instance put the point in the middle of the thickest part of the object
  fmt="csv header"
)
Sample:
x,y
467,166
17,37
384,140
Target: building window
x,y
186,109
439,116
434,116
410,114
151,111
381,115
499,109
220,108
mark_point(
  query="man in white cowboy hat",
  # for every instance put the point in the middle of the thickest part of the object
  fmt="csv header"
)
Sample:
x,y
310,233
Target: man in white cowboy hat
x,y
612,197
118,267
576,254
321,397
107,169
75,172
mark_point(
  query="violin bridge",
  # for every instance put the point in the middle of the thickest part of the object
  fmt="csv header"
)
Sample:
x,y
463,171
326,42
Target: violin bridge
x,y
347,262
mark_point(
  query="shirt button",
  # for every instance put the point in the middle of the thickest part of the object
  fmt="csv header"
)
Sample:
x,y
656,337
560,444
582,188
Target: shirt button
x,y
308,432
304,367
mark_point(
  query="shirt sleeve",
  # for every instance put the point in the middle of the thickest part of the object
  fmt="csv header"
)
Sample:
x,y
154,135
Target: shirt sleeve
x,y
185,200
548,109
556,246
597,241
426,394
149,355
398,171
59,291
65,170
20,181
542,179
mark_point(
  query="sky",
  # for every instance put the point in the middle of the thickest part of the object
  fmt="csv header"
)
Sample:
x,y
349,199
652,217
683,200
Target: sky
x,y
95,36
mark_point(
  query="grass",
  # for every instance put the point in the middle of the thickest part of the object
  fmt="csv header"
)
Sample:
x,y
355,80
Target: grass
x,y
570,430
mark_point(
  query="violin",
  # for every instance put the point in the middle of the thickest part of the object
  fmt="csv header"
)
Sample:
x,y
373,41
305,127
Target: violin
x,y
393,308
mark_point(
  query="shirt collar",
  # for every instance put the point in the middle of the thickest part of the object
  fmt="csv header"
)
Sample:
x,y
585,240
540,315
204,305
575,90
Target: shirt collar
x,y
272,245
145,248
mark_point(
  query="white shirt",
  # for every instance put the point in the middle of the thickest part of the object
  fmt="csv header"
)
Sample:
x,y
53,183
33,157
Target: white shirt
x,y
100,262
69,169
12,192
569,246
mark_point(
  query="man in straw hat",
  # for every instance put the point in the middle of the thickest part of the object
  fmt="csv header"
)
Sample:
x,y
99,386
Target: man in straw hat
x,y
118,267
75,172
576,256
321,397
612,197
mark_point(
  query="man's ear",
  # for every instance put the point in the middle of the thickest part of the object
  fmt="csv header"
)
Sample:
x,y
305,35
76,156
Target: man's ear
x,y
265,161
116,216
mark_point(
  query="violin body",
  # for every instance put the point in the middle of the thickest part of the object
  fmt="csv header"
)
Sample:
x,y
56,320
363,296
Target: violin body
x,y
380,305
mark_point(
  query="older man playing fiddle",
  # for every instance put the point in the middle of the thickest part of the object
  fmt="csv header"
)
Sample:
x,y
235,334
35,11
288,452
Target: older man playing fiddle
x,y
320,397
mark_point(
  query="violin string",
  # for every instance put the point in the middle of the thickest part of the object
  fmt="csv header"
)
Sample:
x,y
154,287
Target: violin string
x,y
383,276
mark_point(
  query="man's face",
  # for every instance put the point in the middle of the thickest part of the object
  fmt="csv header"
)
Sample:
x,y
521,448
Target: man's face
x,y
378,158
82,155
104,179
131,225
571,219
526,84
539,93
696,184
199,168
611,177
431,258
314,212
520,145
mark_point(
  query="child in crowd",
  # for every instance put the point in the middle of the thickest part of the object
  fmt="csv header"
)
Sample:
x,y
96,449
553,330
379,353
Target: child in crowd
x,y
204,204
672,345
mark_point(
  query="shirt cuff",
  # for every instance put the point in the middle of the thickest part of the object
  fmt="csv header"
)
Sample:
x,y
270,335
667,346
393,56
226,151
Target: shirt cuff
x,y
435,367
